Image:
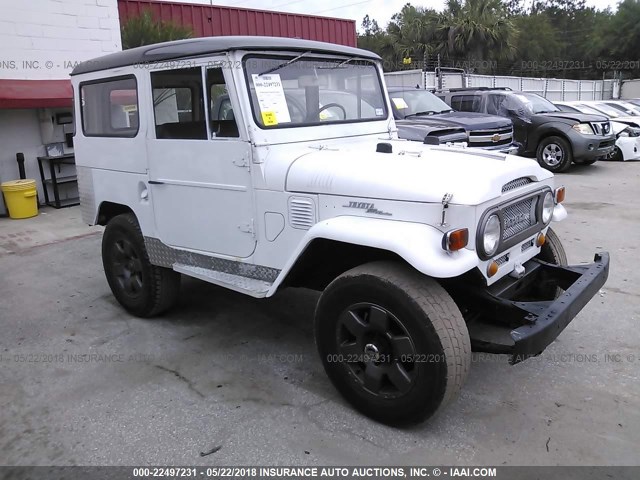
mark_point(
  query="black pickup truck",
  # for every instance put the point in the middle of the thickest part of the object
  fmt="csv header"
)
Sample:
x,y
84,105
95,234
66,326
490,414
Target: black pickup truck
x,y
554,137
420,114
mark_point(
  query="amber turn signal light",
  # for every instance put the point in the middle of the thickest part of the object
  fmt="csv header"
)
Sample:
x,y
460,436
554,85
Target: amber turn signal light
x,y
492,269
455,240
540,239
559,195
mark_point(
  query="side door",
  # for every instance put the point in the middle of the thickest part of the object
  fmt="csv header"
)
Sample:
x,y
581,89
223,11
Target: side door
x,y
198,165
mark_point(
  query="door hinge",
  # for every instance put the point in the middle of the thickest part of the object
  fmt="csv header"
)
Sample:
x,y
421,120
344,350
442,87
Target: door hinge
x,y
247,227
242,163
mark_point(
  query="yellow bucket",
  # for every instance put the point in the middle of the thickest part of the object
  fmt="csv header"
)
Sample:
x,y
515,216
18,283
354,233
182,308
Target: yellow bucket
x,y
20,197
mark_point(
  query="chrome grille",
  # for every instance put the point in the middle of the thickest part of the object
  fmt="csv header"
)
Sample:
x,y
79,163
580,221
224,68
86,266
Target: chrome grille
x,y
517,183
601,128
518,217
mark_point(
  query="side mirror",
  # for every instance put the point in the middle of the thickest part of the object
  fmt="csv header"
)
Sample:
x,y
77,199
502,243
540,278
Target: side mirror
x,y
431,140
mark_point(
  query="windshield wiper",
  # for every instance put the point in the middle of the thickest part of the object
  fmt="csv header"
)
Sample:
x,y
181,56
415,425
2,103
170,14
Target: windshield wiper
x,y
426,112
342,63
282,65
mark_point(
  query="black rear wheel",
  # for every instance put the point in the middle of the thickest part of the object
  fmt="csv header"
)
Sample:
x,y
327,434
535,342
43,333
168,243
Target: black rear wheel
x,y
141,288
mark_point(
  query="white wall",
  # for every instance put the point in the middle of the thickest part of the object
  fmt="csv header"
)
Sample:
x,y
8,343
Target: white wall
x,y
44,39
630,89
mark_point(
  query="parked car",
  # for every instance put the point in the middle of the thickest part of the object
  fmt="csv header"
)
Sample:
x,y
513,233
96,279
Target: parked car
x,y
421,252
417,112
624,107
607,110
634,101
627,136
554,137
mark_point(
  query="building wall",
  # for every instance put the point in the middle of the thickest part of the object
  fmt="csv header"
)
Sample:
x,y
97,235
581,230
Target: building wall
x,y
216,20
43,39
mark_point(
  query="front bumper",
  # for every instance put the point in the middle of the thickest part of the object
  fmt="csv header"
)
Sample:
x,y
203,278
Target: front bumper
x,y
508,318
591,147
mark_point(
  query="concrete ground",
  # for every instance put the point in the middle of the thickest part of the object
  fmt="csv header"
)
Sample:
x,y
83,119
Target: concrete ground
x,y
82,382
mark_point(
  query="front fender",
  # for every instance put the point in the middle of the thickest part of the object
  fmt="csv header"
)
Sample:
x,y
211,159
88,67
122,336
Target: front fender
x,y
420,245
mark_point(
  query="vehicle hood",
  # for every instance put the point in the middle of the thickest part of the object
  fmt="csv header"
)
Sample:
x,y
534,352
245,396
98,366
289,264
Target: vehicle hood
x,y
467,120
570,117
417,132
472,176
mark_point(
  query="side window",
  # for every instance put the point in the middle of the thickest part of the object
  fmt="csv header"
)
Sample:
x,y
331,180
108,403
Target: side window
x,y
494,102
465,103
223,120
109,108
178,106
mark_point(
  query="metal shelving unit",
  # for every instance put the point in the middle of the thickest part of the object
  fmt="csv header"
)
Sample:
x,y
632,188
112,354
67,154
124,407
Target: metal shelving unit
x,y
56,182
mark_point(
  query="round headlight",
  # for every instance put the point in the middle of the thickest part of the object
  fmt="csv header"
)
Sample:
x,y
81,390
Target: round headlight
x,y
548,205
491,235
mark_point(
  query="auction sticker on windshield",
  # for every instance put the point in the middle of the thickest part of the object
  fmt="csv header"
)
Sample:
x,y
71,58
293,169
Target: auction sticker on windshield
x,y
400,103
271,99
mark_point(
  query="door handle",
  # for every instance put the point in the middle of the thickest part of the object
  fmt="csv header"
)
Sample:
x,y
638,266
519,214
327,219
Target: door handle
x,y
155,182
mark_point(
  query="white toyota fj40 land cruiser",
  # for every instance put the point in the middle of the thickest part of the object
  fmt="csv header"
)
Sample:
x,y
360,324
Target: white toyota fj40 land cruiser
x,y
258,163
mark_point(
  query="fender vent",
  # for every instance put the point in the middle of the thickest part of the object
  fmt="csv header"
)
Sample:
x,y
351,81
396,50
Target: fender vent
x,y
302,213
517,183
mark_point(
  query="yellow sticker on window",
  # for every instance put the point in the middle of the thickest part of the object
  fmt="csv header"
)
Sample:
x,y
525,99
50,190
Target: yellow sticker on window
x,y
269,118
400,103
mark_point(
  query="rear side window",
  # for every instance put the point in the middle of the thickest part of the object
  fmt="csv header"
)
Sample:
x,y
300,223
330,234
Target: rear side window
x,y
465,103
109,108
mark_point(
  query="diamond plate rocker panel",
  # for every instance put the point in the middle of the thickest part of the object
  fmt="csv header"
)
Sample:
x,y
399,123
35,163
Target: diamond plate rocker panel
x,y
165,256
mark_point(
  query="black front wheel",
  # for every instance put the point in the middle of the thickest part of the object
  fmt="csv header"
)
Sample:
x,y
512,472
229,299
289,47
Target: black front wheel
x,y
552,252
141,288
392,341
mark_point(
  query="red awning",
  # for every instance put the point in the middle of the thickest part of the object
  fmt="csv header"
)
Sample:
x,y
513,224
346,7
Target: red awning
x,y
35,93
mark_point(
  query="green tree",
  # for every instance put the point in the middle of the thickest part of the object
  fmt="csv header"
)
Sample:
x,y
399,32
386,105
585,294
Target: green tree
x,y
144,30
476,29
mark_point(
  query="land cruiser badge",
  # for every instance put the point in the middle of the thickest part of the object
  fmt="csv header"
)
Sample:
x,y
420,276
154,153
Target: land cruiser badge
x,y
368,207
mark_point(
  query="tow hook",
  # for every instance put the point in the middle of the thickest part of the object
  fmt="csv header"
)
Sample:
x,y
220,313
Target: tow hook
x,y
518,271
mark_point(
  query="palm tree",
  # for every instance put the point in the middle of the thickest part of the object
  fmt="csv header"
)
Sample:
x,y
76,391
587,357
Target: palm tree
x,y
144,30
475,29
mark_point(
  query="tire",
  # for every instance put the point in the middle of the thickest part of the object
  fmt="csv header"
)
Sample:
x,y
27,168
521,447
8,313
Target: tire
x,y
392,342
552,252
617,156
143,289
585,162
554,154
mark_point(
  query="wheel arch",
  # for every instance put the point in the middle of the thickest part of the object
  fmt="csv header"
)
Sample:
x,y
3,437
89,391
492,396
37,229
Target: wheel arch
x,y
552,131
334,246
108,210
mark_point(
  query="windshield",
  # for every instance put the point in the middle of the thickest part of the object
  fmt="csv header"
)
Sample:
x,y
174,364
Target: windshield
x,y
607,110
535,103
586,109
295,91
416,102
624,108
